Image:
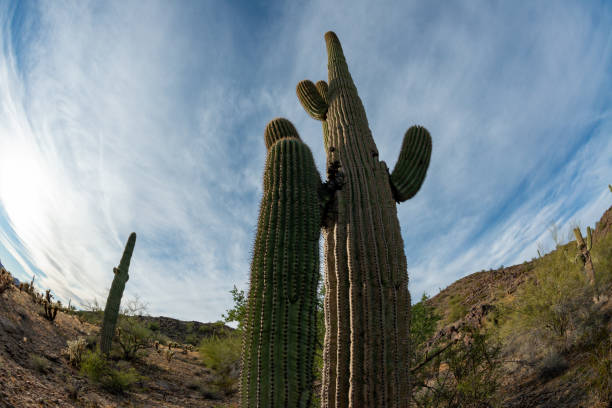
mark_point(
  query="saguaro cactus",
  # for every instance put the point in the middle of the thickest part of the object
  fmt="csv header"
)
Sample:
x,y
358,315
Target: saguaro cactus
x,y
111,310
280,331
367,303
585,253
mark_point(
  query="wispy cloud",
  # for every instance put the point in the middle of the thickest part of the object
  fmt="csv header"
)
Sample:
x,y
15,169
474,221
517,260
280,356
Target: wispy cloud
x,y
119,117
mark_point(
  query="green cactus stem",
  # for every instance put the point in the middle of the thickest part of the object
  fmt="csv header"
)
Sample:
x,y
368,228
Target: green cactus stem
x,y
113,302
409,172
366,354
280,331
585,253
311,99
49,307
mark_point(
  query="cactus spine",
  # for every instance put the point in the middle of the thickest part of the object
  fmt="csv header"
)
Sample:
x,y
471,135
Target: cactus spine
x,y
111,310
585,253
280,332
367,303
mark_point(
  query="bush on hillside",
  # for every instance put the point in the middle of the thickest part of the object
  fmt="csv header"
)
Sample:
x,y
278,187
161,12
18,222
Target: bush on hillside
x,y
464,372
222,356
95,366
553,305
6,280
132,336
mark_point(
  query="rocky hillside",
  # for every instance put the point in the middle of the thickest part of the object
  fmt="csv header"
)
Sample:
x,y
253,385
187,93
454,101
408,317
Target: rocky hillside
x,y
34,371
485,299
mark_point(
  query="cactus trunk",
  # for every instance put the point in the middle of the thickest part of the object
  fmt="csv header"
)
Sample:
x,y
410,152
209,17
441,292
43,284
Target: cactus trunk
x,y
113,302
585,252
367,303
371,340
280,332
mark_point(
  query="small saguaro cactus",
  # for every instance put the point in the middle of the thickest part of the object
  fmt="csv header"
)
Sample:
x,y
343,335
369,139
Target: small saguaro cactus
x,y
585,253
113,302
280,329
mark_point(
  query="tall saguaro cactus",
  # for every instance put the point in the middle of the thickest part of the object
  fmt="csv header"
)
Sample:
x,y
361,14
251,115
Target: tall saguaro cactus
x,y
280,332
367,303
111,310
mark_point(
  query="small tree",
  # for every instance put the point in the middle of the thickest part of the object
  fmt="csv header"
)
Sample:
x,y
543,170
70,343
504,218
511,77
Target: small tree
x,y
238,312
132,336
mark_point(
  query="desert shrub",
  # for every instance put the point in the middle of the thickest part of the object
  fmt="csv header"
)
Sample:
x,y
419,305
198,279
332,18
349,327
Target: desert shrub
x,y
95,366
423,322
598,375
153,326
40,363
191,339
222,356
552,305
6,280
456,309
602,263
459,373
132,336
211,391
119,381
189,327
552,365
75,350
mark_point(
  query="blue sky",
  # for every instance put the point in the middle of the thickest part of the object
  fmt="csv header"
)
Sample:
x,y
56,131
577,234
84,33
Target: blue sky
x,y
149,117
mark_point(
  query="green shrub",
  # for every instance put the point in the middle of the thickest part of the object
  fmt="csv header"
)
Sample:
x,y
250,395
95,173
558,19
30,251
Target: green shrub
x,y
456,309
552,305
119,381
95,366
461,373
40,363
602,263
238,312
423,322
132,336
153,326
222,356
191,339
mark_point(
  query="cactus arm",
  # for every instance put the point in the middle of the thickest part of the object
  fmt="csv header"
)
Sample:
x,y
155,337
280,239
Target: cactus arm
x,y
411,168
111,310
589,243
313,98
585,254
579,239
315,101
280,332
